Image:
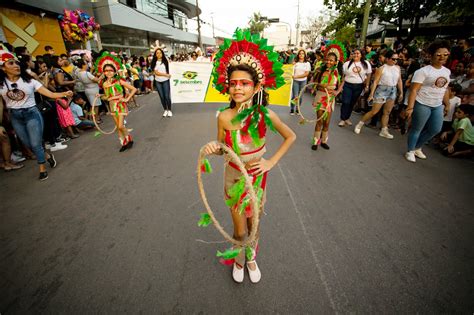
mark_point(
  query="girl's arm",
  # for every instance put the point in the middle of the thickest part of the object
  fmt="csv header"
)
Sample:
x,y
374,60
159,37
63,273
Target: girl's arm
x,y
60,79
400,87
447,105
414,87
289,137
162,74
45,92
129,87
377,76
214,147
456,136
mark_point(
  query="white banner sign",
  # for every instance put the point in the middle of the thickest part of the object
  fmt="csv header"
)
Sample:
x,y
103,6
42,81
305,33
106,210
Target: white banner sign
x,y
189,81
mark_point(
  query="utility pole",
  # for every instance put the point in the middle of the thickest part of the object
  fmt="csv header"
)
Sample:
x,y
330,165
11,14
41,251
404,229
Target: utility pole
x,y
199,26
365,22
212,19
297,43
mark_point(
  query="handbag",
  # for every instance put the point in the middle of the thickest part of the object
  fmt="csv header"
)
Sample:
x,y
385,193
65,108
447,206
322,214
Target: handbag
x,y
44,106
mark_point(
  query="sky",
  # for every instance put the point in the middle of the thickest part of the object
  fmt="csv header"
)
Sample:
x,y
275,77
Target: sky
x,y
228,15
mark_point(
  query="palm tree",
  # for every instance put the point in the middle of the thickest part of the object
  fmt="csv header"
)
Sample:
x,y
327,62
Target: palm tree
x,y
257,24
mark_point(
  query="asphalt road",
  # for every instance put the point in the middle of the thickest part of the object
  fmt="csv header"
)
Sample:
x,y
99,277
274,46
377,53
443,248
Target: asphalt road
x,y
356,229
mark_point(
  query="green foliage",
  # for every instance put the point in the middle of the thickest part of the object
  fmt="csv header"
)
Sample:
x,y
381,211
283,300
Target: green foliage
x,y
256,24
455,11
346,34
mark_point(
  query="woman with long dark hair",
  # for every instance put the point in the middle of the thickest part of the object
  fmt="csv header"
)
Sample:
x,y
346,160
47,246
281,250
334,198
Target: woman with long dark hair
x,y
357,74
17,90
160,66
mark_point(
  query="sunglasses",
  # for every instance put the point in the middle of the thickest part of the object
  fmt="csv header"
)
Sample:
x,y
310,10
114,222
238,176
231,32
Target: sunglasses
x,y
395,59
244,83
439,55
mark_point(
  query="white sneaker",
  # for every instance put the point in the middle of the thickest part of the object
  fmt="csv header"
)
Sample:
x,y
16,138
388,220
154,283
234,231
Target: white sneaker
x,y
419,154
358,127
170,114
47,146
255,275
342,123
410,156
348,122
384,133
17,157
58,146
165,114
238,274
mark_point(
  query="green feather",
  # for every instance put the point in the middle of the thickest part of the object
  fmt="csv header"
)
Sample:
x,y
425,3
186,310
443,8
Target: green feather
x,y
205,220
229,253
207,166
249,253
235,192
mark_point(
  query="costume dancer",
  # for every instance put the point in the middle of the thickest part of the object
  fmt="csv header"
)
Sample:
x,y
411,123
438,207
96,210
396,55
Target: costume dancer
x,y
243,69
114,86
328,79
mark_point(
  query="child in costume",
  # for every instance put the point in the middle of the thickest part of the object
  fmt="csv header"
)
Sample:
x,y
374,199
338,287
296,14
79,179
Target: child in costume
x,y
243,68
327,78
114,86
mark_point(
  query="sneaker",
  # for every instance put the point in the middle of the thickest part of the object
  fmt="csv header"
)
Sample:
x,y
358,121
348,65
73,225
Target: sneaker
x,y
238,274
384,133
348,122
292,112
58,146
43,176
52,161
342,123
170,114
13,167
165,113
17,157
419,154
358,127
324,146
410,156
47,146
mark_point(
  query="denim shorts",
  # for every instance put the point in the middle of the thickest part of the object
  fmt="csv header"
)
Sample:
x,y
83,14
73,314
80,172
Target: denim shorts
x,y
384,93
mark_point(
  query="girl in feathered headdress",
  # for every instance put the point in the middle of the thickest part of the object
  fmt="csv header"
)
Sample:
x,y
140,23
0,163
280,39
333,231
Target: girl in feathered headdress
x,y
243,68
114,89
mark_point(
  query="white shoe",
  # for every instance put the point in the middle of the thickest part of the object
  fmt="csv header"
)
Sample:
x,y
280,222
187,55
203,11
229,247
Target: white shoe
x,y
238,274
410,156
255,275
419,154
342,123
348,122
165,114
358,127
170,114
17,157
384,133
58,146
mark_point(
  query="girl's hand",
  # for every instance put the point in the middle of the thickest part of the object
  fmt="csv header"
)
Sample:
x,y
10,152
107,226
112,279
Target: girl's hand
x,y
450,148
444,136
67,94
260,167
212,148
408,112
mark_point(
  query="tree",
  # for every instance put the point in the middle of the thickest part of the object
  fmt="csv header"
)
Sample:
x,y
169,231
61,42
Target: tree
x,y
257,24
388,11
314,27
457,11
346,35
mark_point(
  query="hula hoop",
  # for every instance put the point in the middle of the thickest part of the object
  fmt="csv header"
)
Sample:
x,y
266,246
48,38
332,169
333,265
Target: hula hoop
x,y
253,198
298,105
95,121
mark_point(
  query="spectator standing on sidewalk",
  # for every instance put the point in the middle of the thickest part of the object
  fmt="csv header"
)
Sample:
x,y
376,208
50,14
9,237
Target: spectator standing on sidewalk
x,y
428,93
17,90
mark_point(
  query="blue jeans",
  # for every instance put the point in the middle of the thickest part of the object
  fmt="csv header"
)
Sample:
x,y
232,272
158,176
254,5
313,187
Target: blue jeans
x,y
28,125
426,123
297,87
163,89
350,94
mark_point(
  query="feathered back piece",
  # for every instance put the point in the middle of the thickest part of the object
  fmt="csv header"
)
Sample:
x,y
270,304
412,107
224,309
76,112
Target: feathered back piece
x,y
250,49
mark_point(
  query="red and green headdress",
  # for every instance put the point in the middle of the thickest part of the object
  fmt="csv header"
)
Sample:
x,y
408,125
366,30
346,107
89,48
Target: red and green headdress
x,y
338,49
250,49
107,59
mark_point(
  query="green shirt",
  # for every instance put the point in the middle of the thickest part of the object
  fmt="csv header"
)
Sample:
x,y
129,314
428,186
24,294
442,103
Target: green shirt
x,y
467,136
369,55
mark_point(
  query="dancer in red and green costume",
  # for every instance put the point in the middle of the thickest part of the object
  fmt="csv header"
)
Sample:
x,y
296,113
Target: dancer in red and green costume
x,y
243,68
328,77
114,88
